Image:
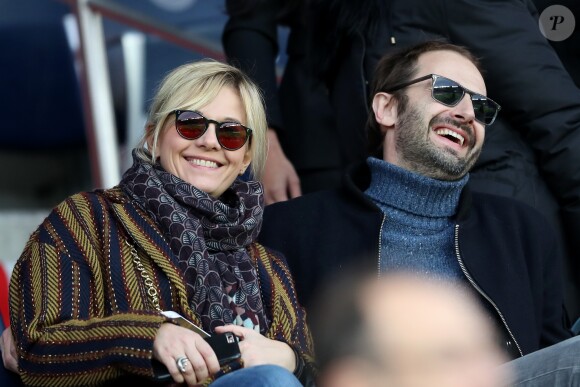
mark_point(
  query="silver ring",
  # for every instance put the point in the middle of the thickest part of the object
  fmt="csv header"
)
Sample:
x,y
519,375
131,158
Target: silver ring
x,y
182,362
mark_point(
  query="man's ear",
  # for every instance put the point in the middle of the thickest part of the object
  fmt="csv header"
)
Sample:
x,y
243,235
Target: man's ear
x,y
385,109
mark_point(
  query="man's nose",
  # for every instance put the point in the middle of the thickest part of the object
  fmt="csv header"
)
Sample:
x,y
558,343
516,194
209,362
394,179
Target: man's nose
x,y
464,109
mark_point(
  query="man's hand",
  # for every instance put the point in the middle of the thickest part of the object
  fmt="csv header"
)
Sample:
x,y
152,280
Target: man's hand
x,y
280,179
9,355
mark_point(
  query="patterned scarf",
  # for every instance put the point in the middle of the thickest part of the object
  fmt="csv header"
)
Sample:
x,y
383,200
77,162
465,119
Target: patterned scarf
x,y
209,236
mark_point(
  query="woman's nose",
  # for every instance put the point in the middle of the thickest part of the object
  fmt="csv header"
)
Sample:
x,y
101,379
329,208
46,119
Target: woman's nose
x,y
209,138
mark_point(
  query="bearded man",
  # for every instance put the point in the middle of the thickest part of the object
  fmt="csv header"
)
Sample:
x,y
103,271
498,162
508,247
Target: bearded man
x,y
409,206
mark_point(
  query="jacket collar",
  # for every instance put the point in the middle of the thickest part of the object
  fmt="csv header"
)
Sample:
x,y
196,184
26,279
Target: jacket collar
x,y
358,178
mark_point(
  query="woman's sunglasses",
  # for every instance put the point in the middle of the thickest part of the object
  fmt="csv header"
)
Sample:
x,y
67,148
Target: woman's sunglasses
x,y
450,93
192,125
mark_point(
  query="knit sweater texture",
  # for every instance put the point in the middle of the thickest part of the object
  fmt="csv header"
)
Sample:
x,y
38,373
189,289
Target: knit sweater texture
x,y
417,234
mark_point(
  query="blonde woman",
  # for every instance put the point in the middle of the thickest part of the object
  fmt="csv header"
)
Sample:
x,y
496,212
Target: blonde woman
x,y
106,282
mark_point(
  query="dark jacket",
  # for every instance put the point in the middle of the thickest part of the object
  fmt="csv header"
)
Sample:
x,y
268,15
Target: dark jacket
x,y
530,152
567,49
506,250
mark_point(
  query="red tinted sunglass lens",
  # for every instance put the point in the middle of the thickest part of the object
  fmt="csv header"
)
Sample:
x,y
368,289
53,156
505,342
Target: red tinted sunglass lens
x,y
190,125
232,136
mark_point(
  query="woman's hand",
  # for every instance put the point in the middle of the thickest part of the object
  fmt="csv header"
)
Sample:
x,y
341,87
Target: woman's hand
x,y
9,355
173,342
257,349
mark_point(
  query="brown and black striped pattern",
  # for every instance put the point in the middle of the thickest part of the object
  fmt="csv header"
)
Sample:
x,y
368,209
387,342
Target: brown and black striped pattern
x,y
80,313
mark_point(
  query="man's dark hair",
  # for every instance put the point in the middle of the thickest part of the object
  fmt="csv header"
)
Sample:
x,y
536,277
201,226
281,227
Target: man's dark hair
x,y
400,67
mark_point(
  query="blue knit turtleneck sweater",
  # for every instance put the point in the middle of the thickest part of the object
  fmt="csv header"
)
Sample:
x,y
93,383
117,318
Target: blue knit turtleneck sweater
x,y
418,232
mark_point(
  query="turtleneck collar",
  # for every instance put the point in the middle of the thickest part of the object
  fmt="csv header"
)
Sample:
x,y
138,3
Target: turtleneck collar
x,y
411,192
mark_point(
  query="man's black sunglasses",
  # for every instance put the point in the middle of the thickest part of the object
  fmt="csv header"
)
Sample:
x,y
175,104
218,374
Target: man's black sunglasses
x,y
192,125
450,93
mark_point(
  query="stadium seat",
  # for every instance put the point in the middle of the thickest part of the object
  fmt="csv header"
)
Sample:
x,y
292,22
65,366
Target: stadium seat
x,y
40,101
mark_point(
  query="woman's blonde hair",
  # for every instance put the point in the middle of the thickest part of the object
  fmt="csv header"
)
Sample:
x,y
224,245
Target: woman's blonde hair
x,y
194,85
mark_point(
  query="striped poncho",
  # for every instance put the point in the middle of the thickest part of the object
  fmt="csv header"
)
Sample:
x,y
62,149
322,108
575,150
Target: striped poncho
x,y
80,312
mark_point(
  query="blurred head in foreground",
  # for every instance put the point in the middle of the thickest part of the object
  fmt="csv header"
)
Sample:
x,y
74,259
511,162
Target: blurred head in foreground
x,y
404,330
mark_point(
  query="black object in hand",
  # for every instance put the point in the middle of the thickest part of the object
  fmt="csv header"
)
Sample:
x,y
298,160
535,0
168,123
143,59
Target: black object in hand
x,y
225,346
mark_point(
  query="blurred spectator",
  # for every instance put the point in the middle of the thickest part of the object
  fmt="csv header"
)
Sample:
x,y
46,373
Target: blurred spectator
x,y
404,330
410,330
320,107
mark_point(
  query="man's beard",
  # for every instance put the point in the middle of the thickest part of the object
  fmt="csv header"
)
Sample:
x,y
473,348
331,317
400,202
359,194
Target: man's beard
x,y
419,154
